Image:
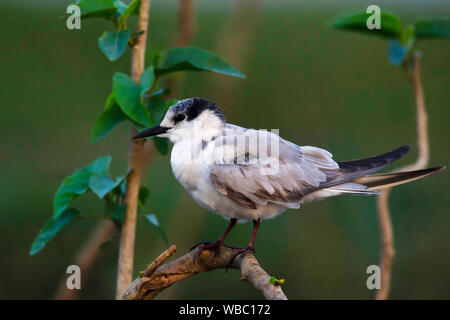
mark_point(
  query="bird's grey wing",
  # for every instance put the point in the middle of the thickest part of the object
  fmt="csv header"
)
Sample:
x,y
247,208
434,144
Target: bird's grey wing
x,y
300,171
282,178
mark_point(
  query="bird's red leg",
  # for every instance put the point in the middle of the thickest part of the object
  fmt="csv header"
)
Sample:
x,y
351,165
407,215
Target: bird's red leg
x,y
214,245
251,245
227,231
256,224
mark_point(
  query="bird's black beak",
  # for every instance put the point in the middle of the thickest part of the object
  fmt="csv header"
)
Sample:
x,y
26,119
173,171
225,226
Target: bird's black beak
x,y
151,132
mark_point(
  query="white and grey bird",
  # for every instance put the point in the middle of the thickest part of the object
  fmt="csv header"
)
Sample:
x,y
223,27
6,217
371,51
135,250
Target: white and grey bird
x,y
225,170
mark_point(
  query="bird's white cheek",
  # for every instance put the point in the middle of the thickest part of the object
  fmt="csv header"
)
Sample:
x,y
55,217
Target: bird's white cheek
x,y
180,133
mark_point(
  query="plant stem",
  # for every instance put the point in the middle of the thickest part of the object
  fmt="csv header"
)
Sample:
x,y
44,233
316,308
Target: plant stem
x,y
128,232
387,241
422,119
387,237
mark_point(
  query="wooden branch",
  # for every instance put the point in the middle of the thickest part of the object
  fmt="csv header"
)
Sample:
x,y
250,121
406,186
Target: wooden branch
x,y
386,230
158,277
128,232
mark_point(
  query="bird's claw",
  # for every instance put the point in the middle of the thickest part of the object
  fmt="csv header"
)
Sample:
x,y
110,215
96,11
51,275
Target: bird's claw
x,y
240,251
202,246
201,243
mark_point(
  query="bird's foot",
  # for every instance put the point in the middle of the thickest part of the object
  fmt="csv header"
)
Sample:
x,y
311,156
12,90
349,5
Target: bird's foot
x,y
240,252
202,246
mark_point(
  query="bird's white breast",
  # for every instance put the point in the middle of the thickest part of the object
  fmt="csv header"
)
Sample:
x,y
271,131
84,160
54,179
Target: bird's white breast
x,y
190,165
186,164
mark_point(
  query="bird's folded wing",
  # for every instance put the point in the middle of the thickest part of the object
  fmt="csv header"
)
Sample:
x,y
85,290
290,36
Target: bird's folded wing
x,y
252,177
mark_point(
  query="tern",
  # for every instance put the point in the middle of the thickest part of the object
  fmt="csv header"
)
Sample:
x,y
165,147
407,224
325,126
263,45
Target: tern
x,y
246,174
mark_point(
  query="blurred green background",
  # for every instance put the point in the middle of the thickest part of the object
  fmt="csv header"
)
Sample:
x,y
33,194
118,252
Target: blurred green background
x,y
319,86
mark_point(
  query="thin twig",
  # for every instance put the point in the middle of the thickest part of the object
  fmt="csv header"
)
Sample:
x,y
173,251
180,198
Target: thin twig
x,y
386,230
387,240
150,284
128,232
159,261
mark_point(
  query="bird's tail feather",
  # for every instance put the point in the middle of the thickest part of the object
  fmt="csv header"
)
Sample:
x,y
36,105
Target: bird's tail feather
x,y
372,184
354,169
386,180
352,188
357,176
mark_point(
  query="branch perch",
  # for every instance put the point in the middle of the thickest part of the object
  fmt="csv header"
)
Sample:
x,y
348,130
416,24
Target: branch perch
x,y
387,236
158,277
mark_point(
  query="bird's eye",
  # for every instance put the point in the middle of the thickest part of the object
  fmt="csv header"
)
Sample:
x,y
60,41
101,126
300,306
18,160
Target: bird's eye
x,y
179,117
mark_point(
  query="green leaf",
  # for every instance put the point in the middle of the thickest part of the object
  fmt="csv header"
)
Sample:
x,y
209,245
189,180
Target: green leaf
x,y
192,59
77,184
102,184
154,222
118,212
123,188
162,145
390,24
407,36
99,165
147,79
97,8
396,52
113,44
121,7
276,281
51,228
432,29
127,94
157,108
133,8
125,11
143,195
108,120
71,187
120,189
